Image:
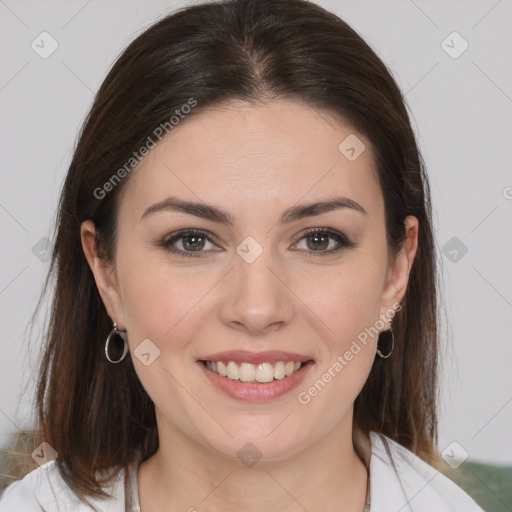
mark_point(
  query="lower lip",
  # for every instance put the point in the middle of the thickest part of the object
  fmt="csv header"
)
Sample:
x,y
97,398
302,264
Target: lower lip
x,y
255,391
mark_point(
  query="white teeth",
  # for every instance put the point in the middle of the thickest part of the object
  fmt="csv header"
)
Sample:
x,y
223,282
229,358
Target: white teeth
x,y
247,372
221,368
279,370
232,371
265,372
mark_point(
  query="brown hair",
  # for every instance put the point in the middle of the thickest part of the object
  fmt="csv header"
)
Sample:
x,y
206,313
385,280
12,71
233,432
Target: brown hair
x,y
97,416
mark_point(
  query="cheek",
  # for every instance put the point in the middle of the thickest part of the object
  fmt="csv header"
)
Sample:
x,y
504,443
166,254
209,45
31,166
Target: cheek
x,y
160,301
347,301
163,305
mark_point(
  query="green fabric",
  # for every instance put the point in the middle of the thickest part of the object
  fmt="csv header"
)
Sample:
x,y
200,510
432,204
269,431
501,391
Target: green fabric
x,y
489,485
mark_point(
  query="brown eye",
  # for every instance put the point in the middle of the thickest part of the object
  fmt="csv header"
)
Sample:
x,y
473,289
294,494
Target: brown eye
x,y
318,241
193,242
187,242
324,242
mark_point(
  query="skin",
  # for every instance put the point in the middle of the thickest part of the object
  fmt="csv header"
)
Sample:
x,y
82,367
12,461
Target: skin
x,y
255,161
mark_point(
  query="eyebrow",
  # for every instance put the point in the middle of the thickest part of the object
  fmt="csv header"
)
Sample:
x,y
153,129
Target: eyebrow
x,y
210,212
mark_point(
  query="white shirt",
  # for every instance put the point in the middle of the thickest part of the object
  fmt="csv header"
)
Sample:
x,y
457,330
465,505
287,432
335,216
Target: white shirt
x,y
399,482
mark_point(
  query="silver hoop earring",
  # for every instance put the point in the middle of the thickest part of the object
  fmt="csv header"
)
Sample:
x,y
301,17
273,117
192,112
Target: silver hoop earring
x,y
392,343
121,334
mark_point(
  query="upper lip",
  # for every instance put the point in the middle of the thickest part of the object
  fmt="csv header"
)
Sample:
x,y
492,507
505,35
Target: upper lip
x,y
245,356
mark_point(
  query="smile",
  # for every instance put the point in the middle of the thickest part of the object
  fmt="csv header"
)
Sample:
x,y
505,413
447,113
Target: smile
x,y
247,372
255,377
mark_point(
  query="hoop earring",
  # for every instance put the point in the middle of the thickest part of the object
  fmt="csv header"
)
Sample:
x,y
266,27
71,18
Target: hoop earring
x,y
121,334
392,343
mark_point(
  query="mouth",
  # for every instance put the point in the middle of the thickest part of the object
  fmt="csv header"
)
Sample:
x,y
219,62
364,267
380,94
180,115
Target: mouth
x,y
255,377
247,372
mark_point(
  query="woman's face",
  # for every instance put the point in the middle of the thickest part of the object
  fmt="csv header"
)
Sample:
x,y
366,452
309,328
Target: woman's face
x,y
265,276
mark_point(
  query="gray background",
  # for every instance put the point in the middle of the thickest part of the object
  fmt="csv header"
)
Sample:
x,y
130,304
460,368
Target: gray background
x,y
461,109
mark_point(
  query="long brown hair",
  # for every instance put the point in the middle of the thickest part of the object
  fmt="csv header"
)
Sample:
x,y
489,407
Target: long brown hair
x,y
98,416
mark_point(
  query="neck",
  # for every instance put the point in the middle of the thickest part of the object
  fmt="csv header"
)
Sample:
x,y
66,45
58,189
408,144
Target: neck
x,y
184,475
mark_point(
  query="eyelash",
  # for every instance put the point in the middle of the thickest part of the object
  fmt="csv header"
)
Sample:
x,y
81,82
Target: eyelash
x,y
340,238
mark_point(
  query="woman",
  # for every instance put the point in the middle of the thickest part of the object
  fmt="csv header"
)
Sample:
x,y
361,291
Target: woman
x,y
245,305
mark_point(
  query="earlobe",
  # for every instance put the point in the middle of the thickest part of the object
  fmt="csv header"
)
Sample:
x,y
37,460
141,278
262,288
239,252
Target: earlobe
x,y
102,271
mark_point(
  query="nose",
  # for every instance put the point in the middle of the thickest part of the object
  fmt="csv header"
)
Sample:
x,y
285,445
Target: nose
x,y
257,299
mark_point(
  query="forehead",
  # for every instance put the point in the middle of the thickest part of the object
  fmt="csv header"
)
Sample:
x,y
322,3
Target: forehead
x,y
253,157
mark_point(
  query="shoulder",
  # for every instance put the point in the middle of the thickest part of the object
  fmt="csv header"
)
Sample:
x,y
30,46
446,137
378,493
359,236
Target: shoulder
x,y
400,480
45,490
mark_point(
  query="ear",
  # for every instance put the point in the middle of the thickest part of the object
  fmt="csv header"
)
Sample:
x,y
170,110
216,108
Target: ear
x,y
104,274
398,274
